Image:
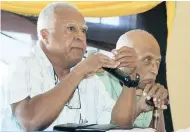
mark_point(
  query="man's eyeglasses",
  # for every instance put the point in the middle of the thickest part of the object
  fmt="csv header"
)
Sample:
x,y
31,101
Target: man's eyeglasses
x,y
77,101
74,99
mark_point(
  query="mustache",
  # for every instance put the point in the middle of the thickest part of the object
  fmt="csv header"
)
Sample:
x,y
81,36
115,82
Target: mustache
x,y
79,44
79,47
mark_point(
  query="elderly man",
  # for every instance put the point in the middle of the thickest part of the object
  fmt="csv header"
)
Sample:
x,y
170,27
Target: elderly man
x,y
53,86
149,58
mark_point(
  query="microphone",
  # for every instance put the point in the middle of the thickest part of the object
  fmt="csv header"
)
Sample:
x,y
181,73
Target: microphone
x,y
124,77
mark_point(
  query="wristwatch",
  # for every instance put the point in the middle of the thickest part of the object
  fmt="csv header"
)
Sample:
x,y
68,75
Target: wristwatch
x,y
131,83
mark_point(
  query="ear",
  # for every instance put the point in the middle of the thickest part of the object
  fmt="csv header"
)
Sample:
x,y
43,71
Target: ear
x,y
44,34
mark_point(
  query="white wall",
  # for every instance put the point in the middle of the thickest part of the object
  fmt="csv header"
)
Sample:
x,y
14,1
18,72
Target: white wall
x,y
11,49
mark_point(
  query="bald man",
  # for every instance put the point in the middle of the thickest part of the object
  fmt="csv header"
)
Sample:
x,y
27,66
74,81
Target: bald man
x,y
51,87
148,61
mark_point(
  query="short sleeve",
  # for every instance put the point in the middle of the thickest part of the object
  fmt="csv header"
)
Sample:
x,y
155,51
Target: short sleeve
x,y
17,82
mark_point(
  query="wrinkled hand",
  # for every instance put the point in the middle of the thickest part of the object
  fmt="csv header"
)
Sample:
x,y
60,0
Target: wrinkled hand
x,y
95,63
127,57
159,95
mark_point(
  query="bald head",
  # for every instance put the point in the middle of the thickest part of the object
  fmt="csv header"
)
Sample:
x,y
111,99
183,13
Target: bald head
x,y
148,52
47,15
140,40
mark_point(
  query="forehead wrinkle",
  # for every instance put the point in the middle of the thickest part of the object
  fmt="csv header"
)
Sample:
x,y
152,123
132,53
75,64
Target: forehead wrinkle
x,y
73,23
149,54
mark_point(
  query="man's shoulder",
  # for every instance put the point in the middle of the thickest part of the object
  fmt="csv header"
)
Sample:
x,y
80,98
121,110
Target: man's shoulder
x,y
25,62
22,69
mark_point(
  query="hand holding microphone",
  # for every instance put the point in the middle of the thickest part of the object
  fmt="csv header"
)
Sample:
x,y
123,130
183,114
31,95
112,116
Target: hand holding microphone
x,y
124,58
127,58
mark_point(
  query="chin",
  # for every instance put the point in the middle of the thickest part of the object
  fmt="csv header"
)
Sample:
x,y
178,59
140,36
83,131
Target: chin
x,y
75,62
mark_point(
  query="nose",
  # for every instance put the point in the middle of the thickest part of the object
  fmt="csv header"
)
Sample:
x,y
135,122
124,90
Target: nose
x,y
80,36
155,67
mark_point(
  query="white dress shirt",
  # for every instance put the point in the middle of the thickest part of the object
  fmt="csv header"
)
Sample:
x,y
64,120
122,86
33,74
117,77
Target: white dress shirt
x,y
34,75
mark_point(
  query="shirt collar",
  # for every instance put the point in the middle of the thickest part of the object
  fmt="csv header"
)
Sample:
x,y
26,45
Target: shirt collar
x,y
40,53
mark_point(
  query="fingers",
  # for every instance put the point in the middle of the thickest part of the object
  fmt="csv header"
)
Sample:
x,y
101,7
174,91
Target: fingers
x,y
127,62
161,105
95,62
123,54
139,92
100,70
166,102
164,107
161,94
147,89
164,95
158,95
125,48
128,65
126,56
126,59
107,62
152,92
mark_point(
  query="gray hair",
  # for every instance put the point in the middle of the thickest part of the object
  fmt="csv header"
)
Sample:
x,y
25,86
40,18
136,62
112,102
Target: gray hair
x,y
46,18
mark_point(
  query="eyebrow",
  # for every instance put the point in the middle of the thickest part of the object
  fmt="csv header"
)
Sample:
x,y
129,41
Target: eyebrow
x,y
85,26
